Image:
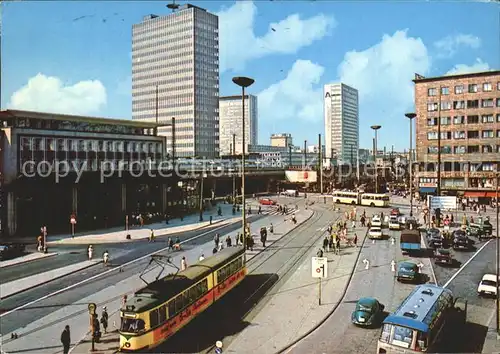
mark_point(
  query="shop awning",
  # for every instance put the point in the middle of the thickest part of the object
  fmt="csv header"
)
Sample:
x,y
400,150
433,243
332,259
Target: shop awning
x,y
427,189
475,194
492,194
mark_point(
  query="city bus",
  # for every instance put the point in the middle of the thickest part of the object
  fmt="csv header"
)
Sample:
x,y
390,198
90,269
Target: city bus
x,y
345,197
375,200
164,306
419,323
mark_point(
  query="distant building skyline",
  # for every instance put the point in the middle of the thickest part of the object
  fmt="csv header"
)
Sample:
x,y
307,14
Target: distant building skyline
x,y
341,118
230,122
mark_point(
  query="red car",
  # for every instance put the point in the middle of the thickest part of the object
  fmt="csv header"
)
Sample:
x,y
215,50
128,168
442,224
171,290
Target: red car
x,y
267,201
395,211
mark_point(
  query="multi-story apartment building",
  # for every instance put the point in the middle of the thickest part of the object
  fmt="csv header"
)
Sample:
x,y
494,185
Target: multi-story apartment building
x,y
281,140
341,113
175,73
468,109
230,123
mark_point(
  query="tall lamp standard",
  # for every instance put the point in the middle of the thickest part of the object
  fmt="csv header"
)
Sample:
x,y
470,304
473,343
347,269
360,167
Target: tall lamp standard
x,y
243,82
375,128
410,116
497,257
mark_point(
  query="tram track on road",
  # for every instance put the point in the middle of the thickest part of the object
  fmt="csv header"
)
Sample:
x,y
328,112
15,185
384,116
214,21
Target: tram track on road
x,y
281,260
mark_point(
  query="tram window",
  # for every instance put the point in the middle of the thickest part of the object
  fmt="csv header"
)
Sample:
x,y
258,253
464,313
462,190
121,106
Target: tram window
x,y
179,303
203,287
171,308
132,325
154,318
162,314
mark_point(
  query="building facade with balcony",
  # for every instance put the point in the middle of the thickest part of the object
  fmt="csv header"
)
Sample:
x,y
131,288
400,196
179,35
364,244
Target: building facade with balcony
x,y
466,109
53,165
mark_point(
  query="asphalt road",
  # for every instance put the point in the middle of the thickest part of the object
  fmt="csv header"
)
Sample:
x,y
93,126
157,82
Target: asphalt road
x,y
21,317
121,252
267,270
337,334
480,310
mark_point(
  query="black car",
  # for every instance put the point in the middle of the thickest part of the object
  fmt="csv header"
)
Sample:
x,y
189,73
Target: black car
x,y
460,240
443,256
435,241
8,251
432,231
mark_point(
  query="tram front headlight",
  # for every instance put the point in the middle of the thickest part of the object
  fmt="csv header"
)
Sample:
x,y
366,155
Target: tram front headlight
x,y
127,345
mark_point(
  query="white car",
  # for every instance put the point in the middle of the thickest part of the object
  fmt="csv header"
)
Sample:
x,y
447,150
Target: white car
x,y
488,285
375,232
394,223
376,221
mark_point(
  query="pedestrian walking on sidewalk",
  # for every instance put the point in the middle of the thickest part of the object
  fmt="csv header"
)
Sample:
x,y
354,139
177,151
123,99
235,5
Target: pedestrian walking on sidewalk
x,y
216,240
170,244
124,301
90,252
152,236
356,240
183,263
319,253
66,339
325,243
104,319
228,241
330,244
338,246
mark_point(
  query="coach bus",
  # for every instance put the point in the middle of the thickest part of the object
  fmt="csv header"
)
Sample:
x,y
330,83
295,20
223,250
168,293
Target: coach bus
x,y
375,200
346,197
367,199
163,307
418,323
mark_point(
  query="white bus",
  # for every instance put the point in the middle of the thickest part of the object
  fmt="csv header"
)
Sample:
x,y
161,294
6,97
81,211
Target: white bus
x,y
344,197
375,200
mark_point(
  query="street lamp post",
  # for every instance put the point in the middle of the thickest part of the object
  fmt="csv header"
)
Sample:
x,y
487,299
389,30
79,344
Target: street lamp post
x,y
375,128
243,82
497,258
410,116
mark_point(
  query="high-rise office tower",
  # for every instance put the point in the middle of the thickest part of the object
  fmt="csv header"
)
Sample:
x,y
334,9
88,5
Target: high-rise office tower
x,y
230,110
341,110
175,73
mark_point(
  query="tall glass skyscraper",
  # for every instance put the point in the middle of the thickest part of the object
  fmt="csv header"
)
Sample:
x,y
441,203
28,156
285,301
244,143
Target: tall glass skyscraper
x,y
341,110
175,73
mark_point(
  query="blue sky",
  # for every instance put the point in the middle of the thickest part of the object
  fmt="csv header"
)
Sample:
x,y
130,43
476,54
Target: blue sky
x,y
53,61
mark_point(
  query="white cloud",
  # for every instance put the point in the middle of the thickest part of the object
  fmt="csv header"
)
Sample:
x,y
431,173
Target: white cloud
x,y
50,94
383,73
296,96
239,44
449,45
478,66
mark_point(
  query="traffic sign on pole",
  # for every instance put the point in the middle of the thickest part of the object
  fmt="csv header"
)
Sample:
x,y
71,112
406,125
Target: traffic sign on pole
x,y
319,267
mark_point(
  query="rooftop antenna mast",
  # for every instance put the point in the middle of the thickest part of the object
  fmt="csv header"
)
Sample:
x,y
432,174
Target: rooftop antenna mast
x,y
173,6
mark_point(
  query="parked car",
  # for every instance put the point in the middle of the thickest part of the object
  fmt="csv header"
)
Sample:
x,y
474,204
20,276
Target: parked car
x,y
368,312
460,240
411,223
407,271
375,232
443,256
267,201
394,223
376,221
8,251
488,285
432,231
